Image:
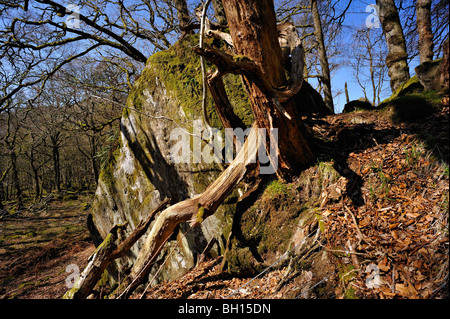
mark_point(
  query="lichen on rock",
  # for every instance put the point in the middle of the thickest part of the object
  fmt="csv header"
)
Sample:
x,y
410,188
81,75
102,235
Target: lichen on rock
x,y
141,171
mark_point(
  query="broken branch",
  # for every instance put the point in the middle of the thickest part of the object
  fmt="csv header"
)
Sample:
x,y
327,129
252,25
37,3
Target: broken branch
x,y
106,252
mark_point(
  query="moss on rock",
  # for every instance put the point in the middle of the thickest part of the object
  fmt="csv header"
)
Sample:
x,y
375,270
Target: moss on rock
x,y
180,70
411,86
270,227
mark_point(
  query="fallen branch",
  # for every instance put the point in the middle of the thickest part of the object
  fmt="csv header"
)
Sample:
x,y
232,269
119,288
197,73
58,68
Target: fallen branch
x,y
360,234
106,252
193,210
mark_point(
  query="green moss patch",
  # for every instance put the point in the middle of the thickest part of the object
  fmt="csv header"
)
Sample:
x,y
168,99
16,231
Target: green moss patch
x,y
411,86
179,69
413,107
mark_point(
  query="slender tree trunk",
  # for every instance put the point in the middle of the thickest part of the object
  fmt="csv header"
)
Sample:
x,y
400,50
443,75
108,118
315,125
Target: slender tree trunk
x,y
35,175
347,98
15,177
3,194
94,164
326,77
371,70
426,45
56,167
219,12
184,18
396,60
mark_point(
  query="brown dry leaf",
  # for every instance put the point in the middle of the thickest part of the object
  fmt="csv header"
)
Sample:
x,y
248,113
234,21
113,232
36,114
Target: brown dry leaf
x,y
394,234
392,226
412,215
387,292
326,213
418,276
407,291
384,264
365,222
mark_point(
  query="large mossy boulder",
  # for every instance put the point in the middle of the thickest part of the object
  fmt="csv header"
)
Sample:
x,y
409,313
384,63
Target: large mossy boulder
x,y
433,75
411,86
282,219
141,172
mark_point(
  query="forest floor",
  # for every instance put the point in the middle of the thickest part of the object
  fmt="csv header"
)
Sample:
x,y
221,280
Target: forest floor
x,y
386,237
39,244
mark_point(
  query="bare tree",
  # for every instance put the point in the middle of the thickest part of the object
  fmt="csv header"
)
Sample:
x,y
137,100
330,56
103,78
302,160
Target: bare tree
x,y
325,76
11,142
367,61
40,37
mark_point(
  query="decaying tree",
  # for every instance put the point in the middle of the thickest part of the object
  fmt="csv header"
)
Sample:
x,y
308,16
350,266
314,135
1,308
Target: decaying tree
x,y
258,58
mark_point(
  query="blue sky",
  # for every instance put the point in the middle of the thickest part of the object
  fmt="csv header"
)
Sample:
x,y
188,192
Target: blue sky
x,y
356,17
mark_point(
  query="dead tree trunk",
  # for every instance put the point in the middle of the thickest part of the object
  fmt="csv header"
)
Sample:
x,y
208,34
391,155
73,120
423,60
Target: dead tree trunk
x,y
106,252
254,35
396,60
423,12
194,210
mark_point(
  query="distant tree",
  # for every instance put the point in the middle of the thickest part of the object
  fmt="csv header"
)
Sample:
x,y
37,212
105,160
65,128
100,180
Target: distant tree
x,y
40,37
325,76
320,24
367,61
10,141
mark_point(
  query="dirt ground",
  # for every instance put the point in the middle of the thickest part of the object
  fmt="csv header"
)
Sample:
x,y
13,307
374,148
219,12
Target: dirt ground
x,y
393,217
38,244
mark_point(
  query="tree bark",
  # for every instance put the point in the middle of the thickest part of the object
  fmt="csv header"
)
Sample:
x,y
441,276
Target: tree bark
x,y
35,170
324,65
94,164
222,104
219,12
3,196
253,29
396,60
56,167
15,178
184,18
426,45
347,98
